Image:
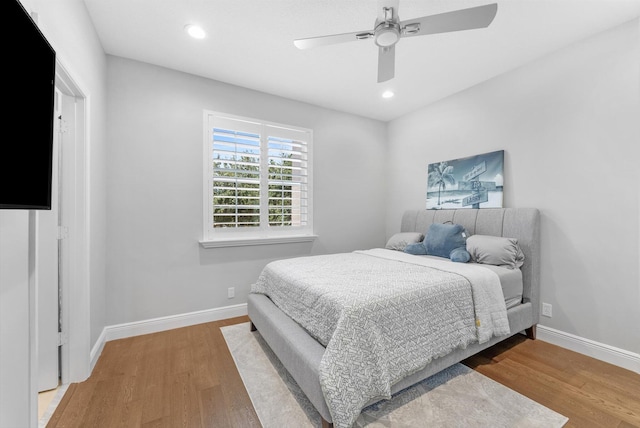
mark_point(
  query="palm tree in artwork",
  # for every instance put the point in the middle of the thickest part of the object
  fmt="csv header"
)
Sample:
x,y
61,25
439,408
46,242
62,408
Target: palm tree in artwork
x,y
440,174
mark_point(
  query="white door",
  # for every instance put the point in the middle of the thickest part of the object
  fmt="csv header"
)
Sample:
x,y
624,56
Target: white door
x,y
48,232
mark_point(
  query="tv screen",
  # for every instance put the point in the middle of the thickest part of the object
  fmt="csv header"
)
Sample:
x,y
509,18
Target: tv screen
x,y
27,150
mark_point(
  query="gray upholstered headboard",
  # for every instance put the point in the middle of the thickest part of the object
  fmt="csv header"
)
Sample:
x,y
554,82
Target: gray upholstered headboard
x,y
522,224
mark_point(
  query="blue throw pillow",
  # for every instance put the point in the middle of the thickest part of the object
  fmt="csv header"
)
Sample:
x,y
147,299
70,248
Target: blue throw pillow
x,y
441,239
416,249
460,255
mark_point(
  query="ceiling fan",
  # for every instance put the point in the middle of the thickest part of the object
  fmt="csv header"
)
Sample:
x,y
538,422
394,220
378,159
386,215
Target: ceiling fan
x,y
388,30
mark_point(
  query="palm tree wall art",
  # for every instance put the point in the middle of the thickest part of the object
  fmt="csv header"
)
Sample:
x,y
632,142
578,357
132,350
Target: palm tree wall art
x,y
471,182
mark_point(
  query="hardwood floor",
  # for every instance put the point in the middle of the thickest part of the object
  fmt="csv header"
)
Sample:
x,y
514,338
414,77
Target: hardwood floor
x,y
187,378
591,393
179,378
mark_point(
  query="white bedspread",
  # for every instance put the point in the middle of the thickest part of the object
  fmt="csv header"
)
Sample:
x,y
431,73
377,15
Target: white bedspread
x,y
382,316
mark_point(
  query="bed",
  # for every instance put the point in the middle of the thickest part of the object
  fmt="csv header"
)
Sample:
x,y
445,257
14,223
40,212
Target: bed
x,y
316,358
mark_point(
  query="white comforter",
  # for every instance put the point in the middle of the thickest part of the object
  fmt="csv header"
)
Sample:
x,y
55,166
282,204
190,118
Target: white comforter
x,y
382,316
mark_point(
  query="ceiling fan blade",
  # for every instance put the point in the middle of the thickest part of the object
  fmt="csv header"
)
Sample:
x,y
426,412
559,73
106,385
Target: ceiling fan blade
x,y
457,20
382,4
386,63
313,42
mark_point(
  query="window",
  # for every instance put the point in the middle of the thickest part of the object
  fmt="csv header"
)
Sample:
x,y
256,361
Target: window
x,y
257,181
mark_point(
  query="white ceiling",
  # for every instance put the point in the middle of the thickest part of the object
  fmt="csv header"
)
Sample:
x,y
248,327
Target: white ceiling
x,y
250,43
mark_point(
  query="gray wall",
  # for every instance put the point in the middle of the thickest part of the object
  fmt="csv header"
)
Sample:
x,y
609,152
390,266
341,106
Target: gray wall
x,y
569,126
156,266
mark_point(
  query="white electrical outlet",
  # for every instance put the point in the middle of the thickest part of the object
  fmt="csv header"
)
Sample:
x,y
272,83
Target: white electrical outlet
x,y
547,310
231,292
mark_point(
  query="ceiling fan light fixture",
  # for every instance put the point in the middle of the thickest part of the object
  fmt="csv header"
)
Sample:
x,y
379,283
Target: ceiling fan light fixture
x,y
387,34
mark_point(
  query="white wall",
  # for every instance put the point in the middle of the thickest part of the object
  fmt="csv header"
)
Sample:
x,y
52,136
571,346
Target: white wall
x,y
16,321
156,266
569,126
69,30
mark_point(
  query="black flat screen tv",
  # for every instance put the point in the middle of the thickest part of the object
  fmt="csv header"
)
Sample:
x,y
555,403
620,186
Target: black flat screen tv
x,y
29,64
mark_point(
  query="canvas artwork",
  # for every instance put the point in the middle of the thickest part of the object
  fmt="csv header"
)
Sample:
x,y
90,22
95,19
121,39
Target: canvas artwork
x,y
471,182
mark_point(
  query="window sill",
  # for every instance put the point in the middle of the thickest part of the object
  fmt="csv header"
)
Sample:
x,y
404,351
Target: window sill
x,y
245,242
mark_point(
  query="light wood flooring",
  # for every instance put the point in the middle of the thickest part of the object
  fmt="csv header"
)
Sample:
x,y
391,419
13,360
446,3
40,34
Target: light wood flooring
x,y
187,378
44,400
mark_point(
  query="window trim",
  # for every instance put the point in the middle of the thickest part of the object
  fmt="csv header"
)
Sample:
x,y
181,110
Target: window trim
x,y
263,235
242,242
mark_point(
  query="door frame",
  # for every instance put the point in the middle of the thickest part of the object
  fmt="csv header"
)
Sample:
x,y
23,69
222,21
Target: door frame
x,y
47,271
75,361
74,252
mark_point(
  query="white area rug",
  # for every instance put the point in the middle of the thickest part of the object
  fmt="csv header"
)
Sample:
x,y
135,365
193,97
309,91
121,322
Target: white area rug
x,y
456,397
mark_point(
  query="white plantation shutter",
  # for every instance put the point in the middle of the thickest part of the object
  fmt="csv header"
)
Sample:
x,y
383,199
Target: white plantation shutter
x,y
258,177
288,177
236,178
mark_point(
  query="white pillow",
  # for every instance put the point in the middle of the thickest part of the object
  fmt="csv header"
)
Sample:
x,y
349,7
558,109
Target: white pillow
x,y
401,240
495,250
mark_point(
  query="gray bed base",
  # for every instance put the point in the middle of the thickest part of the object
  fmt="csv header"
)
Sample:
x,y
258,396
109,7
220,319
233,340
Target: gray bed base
x,y
301,354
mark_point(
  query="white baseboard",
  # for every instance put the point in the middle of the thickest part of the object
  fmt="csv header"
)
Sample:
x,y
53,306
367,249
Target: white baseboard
x,y
154,325
97,350
609,354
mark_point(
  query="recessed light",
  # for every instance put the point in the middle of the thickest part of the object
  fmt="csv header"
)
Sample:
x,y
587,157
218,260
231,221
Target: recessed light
x,y
387,94
195,31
